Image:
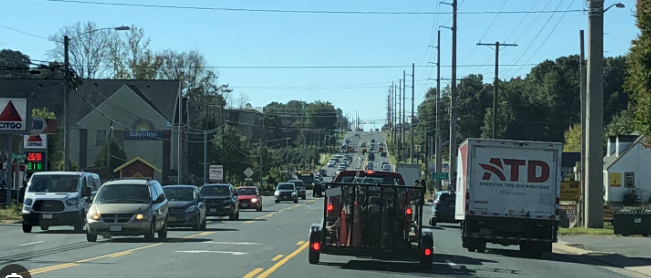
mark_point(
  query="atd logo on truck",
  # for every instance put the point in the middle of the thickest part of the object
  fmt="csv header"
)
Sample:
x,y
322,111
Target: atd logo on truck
x,y
534,175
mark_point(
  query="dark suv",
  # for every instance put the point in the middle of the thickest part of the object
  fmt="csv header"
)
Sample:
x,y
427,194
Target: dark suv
x,y
300,187
443,208
221,200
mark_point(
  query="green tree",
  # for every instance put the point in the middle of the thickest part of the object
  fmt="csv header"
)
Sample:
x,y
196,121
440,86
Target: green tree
x,y
638,65
13,64
237,152
54,143
573,139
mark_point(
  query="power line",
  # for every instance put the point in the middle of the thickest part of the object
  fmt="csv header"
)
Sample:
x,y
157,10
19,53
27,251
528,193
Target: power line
x,y
290,11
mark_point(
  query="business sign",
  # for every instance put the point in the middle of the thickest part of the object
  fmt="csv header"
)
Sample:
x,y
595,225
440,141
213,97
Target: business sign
x,y
570,191
216,173
143,130
36,161
13,118
35,142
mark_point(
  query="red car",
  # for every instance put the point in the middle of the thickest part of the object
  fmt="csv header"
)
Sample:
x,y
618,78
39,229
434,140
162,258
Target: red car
x,y
249,198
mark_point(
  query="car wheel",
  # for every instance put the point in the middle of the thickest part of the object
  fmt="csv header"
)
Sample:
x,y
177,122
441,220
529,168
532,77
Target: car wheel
x,y
203,224
295,201
237,215
79,226
91,237
304,198
162,233
260,208
197,227
27,228
231,216
149,236
277,201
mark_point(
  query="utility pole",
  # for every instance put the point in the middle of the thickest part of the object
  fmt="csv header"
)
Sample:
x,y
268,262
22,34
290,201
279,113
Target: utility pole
x,y
437,141
404,115
497,80
402,127
411,128
289,161
108,146
303,135
205,157
66,99
395,113
260,163
594,117
582,174
224,144
178,138
453,101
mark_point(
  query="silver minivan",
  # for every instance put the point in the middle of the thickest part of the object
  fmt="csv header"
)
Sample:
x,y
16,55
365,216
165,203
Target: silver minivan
x,y
58,198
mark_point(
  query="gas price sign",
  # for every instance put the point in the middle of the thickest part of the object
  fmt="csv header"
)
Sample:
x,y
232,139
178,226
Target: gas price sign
x,y
35,161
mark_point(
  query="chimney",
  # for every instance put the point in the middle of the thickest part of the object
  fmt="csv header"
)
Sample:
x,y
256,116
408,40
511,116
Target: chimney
x,y
623,142
612,142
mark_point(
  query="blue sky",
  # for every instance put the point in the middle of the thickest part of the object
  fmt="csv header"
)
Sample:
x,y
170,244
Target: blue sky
x,y
229,38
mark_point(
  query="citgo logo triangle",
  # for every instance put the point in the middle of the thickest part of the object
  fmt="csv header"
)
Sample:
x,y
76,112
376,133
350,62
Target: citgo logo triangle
x,y
35,138
10,114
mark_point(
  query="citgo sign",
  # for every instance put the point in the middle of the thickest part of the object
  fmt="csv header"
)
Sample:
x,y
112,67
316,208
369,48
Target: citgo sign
x,y
14,114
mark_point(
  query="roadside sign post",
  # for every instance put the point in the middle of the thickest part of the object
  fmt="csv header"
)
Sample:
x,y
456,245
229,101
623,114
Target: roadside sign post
x,y
440,176
216,173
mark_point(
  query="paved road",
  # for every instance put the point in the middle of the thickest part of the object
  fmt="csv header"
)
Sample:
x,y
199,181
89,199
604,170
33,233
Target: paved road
x,y
262,244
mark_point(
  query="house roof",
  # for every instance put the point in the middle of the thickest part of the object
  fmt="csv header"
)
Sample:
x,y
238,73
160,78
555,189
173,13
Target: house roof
x,y
137,158
610,160
160,94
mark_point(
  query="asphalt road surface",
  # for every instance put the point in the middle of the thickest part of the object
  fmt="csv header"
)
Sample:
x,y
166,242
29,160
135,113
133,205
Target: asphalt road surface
x,y
271,244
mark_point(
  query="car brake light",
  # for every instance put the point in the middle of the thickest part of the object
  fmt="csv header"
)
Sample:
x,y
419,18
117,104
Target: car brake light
x,y
428,251
330,207
370,172
316,246
408,211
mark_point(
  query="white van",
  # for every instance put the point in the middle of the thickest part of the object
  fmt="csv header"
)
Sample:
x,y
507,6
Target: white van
x,y
57,198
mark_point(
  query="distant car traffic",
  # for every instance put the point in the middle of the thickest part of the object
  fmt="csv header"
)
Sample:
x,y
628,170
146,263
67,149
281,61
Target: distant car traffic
x,y
221,200
249,197
186,207
286,191
300,188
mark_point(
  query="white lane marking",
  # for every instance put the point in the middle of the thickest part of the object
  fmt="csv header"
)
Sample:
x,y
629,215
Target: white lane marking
x,y
233,243
214,252
450,263
31,243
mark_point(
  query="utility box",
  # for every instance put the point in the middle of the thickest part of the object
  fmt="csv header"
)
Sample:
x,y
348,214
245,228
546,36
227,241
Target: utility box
x,y
632,222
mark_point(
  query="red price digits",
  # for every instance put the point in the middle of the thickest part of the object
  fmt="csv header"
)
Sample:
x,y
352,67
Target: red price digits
x,y
34,157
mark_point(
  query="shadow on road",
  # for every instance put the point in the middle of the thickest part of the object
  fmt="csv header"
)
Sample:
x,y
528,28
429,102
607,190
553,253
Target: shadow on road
x,y
62,232
221,230
410,268
30,254
243,220
598,259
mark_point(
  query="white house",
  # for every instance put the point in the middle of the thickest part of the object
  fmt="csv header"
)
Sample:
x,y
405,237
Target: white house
x,y
627,168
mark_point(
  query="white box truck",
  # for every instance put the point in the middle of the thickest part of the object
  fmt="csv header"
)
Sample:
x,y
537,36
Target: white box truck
x,y
508,193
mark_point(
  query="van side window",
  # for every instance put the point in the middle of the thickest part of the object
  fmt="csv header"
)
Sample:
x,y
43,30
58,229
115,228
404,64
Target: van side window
x,y
154,192
159,189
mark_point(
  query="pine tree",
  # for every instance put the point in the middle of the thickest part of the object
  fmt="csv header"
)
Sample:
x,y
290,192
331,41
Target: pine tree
x,y
638,67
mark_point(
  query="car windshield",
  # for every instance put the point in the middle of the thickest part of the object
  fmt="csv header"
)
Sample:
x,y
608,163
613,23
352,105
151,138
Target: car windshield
x,y
215,191
54,183
446,198
285,187
179,194
247,191
299,184
123,194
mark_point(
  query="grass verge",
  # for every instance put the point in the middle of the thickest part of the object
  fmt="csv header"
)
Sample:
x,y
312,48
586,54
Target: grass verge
x,y
10,213
607,230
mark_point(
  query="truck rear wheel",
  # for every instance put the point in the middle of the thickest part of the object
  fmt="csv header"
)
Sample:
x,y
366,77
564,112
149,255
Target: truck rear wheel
x,y
314,257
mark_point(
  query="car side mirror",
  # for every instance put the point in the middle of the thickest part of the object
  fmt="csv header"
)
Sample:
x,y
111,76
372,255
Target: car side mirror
x,y
85,192
159,200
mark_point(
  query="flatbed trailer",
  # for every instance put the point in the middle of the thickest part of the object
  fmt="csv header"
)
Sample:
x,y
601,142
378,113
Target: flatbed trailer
x,y
372,220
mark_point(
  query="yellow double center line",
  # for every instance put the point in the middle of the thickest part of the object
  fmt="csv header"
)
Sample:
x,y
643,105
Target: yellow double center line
x,y
112,255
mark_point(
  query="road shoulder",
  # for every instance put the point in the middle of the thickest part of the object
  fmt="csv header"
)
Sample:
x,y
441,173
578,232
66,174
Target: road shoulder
x,y
640,266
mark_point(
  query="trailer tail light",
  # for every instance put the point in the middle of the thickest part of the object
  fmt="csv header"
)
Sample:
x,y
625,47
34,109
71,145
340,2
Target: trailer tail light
x,y
409,211
428,252
316,246
330,207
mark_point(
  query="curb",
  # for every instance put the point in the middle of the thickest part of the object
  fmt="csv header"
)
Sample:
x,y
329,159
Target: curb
x,y
9,222
568,248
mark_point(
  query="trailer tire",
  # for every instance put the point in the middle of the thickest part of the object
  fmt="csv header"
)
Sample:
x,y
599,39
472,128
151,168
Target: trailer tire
x,y
426,262
313,257
481,248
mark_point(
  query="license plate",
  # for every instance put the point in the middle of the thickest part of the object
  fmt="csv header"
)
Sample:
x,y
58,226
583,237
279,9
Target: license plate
x,y
171,218
47,216
285,197
245,205
116,228
213,210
